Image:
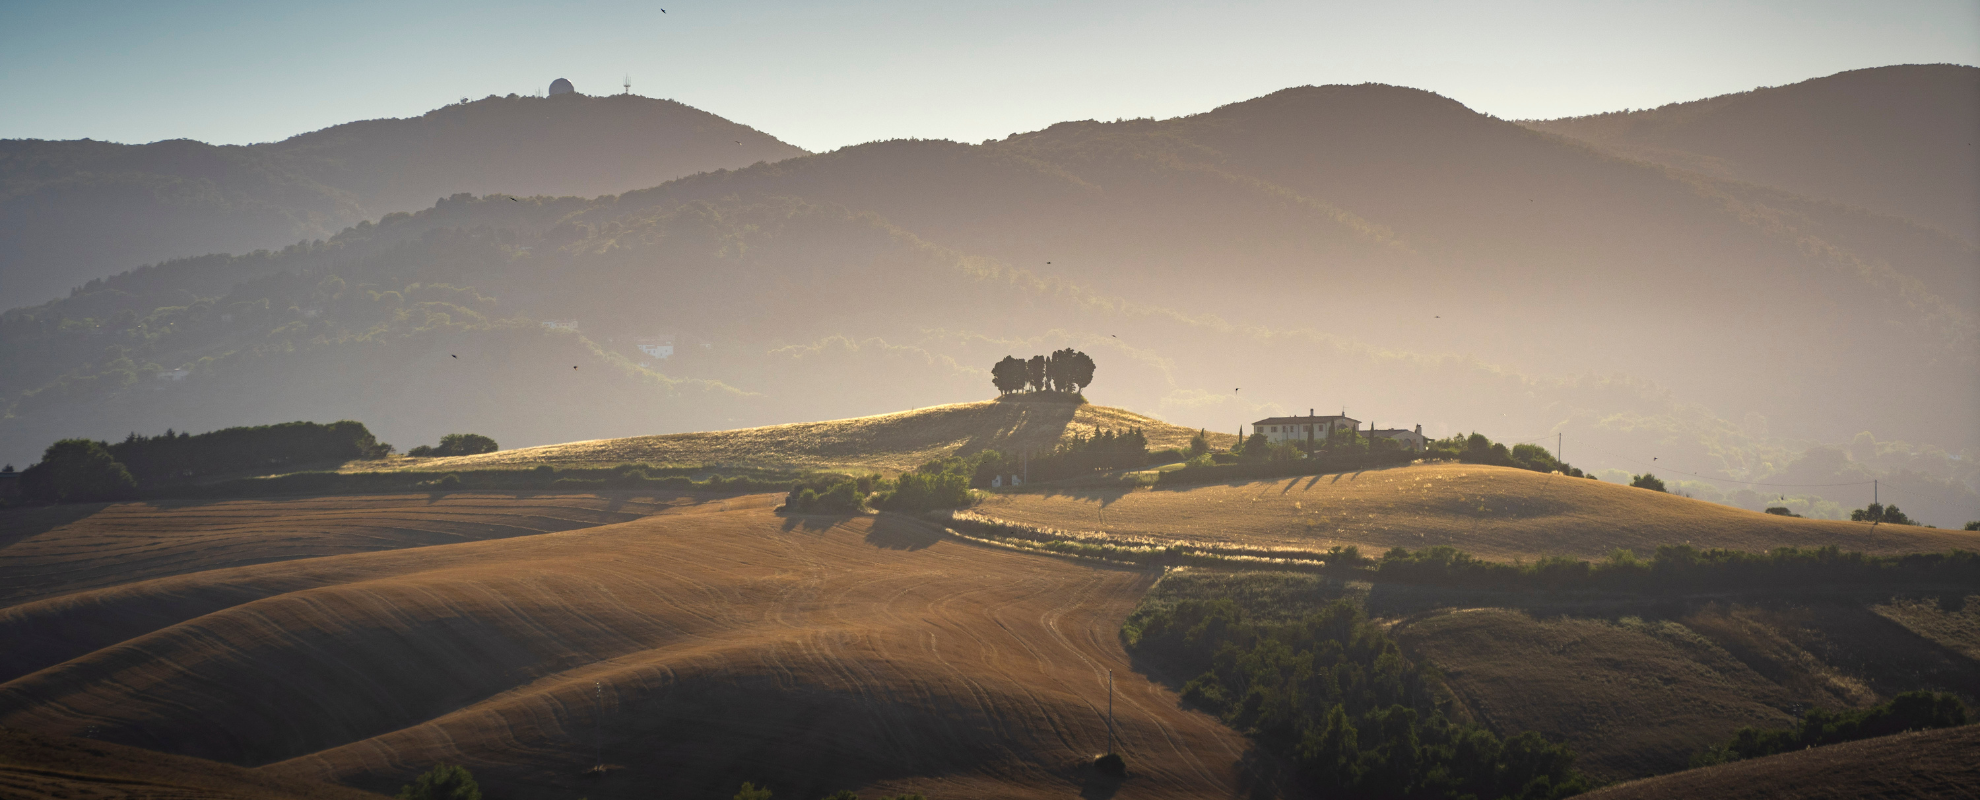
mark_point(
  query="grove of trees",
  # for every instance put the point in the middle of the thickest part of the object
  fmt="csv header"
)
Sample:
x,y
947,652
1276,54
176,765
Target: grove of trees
x,y
1067,370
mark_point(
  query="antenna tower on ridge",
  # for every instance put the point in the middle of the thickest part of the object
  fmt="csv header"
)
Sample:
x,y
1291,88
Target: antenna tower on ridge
x,y
628,83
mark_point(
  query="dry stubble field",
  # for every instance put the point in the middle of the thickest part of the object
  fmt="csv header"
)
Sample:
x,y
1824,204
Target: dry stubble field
x,y
1490,512
886,442
702,646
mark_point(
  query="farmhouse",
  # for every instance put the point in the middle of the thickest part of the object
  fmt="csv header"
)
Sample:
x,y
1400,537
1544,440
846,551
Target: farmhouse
x,y
1309,428
1413,441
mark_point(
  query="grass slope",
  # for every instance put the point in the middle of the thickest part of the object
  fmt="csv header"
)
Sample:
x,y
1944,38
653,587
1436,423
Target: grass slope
x,y
52,550
1926,764
1492,512
35,767
812,653
888,442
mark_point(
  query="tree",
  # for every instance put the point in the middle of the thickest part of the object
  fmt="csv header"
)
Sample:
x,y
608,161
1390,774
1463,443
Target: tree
x,y
1075,370
1646,481
749,791
1199,444
1974,525
1009,375
443,782
1878,512
456,444
1034,373
77,471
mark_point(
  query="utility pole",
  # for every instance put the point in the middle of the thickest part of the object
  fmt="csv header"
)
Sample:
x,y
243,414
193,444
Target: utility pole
x,y
600,729
1110,711
1558,437
1873,492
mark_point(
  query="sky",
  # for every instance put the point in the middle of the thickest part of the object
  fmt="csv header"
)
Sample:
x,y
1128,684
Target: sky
x,y
828,75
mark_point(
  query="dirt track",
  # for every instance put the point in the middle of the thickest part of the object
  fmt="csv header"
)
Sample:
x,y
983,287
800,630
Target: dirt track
x,y
810,653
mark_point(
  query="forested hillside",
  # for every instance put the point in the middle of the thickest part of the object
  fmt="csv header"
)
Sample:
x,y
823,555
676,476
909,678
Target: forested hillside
x,y
1370,246
77,210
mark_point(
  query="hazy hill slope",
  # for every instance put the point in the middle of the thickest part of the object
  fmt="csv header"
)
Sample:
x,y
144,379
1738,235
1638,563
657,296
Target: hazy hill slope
x,y
810,653
1492,512
899,441
1896,140
1925,764
74,211
35,767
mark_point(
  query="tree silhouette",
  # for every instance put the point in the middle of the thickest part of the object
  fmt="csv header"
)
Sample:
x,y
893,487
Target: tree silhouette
x,y
1010,375
1034,371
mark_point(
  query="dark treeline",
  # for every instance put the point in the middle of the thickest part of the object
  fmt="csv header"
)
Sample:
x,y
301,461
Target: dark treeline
x,y
456,444
81,470
1911,711
1348,450
1335,695
170,457
1682,567
942,483
1066,370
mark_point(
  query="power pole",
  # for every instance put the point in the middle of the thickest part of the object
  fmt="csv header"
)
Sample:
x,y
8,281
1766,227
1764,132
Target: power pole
x,y
1110,711
600,729
1558,437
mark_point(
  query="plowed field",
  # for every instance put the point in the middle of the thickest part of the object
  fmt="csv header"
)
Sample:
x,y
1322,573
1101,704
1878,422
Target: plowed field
x,y
687,651
52,550
1927,764
1491,512
66,768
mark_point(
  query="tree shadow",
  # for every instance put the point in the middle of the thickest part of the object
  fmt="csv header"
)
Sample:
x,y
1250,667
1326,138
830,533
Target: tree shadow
x,y
894,532
811,523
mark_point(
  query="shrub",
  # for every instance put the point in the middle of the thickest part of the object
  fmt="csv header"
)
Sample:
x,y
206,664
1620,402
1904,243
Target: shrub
x,y
1646,481
1973,526
1781,511
77,471
749,791
1878,512
445,482
443,782
1199,444
456,444
1111,764
923,492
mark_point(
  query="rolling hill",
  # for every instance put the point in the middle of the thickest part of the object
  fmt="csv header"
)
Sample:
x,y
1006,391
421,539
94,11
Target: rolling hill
x,y
1494,512
71,212
1922,764
34,767
1894,140
702,649
889,442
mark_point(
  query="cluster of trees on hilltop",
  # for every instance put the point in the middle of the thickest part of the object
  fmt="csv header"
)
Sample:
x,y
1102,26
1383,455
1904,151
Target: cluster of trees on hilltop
x,y
1067,370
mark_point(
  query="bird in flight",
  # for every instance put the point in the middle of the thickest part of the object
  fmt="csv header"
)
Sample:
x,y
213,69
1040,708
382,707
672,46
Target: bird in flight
x,y
451,354
513,200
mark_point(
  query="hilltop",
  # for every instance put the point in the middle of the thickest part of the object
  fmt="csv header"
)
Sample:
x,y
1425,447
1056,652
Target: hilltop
x,y
887,442
1895,140
1493,512
1921,764
73,211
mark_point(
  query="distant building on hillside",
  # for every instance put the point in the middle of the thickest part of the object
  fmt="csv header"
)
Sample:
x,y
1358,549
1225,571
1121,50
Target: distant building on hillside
x,y
561,86
560,324
1413,441
1310,428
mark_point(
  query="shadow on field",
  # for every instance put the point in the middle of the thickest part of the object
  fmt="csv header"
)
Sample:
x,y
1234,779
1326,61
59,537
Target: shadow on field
x,y
18,524
891,532
812,523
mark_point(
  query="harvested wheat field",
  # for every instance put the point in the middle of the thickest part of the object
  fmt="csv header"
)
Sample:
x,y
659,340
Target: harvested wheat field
x,y
888,442
701,649
1491,512
36,767
1638,692
1909,765
51,550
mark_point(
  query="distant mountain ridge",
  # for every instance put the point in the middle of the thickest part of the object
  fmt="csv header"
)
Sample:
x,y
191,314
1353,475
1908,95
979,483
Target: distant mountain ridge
x,y
1896,140
71,211
1372,246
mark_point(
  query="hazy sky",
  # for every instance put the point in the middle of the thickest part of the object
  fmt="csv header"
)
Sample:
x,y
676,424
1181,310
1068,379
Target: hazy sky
x,y
824,75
